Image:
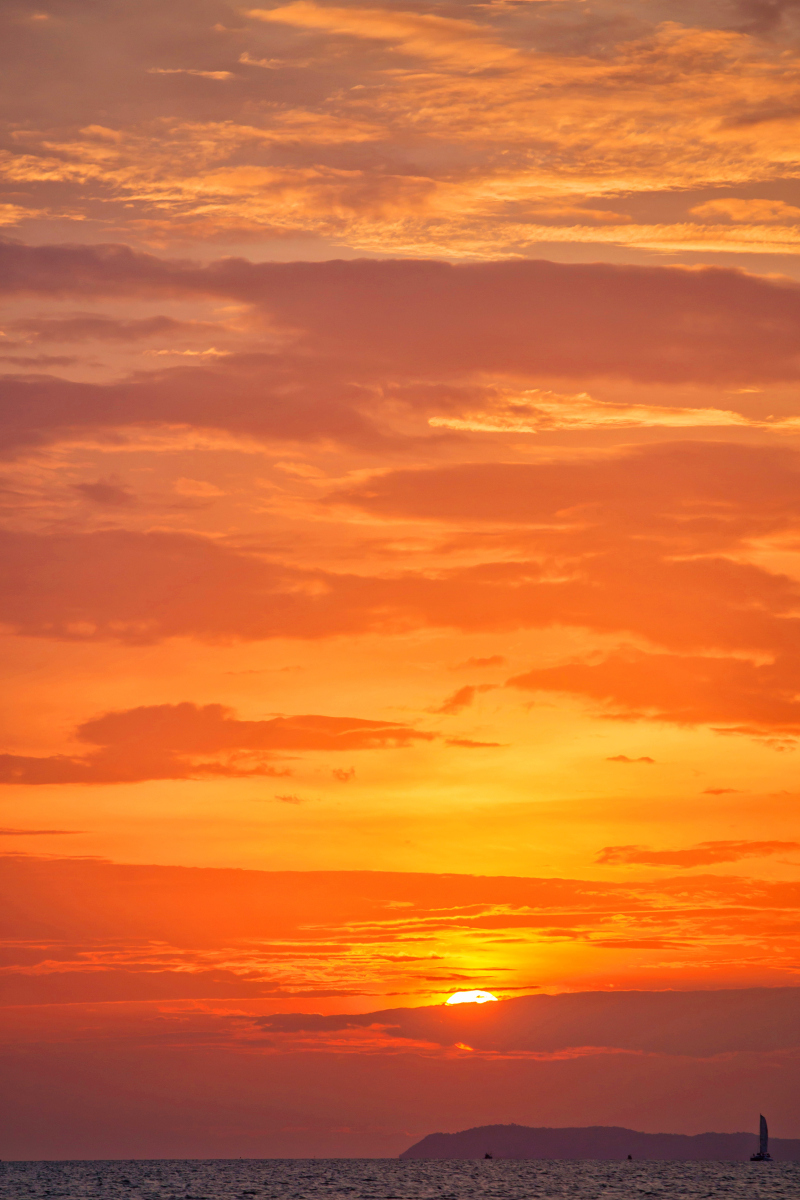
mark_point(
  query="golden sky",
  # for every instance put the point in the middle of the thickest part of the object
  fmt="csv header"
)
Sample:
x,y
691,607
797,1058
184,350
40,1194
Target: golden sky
x,y
400,580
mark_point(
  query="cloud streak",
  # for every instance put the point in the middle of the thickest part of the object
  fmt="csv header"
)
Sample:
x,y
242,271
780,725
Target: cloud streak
x,y
704,855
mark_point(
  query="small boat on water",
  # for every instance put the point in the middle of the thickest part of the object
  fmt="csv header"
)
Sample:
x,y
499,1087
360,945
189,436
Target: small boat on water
x,y
762,1154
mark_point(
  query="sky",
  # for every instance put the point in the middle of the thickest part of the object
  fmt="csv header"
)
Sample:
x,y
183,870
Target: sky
x,y
400,575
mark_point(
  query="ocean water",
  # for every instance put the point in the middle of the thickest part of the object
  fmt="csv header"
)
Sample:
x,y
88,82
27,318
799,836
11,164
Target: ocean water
x,y
390,1179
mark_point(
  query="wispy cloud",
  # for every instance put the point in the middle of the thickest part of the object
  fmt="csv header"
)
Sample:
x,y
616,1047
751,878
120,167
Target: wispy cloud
x,y
460,42
190,71
537,411
703,855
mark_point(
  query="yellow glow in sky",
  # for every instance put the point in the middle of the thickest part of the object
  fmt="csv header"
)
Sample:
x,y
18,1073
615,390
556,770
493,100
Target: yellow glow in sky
x,y
470,998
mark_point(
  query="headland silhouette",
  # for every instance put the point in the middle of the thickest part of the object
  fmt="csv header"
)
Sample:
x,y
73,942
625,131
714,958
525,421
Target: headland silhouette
x,y
608,1142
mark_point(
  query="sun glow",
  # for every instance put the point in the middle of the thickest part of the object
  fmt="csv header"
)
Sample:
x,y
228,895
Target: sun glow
x,y
470,998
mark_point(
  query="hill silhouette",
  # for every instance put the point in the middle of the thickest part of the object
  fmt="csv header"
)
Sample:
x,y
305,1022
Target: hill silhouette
x,y
595,1142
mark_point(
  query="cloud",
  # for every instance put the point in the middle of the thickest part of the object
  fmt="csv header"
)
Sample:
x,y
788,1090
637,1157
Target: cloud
x,y
536,412
748,210
377,354
471,744
37,832
245,397
462,698
474,122
693,1023
199,488
673,489
623,758
690,511
683,690
83,327
460,43
434,319
703,855
32,361
189,741
491,660
601,539
189,71
286,933
104,986
723,649
764,16
106,493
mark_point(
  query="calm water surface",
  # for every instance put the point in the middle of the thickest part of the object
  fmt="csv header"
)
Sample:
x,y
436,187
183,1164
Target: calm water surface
x,y
389,1179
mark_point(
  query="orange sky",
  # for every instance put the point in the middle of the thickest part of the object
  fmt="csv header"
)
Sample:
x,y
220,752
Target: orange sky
x,y
401,562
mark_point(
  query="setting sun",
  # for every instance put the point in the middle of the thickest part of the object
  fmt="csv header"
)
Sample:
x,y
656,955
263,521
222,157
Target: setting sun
x,y
470,998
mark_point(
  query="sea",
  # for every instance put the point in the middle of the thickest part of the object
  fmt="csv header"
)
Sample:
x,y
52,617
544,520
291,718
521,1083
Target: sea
x,y
390,1179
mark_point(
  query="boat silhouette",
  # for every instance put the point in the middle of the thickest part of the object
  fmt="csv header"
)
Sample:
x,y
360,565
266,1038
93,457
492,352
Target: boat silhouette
x,y
762,1154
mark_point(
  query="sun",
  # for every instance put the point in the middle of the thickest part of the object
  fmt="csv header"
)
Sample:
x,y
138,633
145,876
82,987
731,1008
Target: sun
x,y
470,998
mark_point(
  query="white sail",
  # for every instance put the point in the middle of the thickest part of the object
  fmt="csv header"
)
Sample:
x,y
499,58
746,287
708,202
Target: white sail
x,y
763,1136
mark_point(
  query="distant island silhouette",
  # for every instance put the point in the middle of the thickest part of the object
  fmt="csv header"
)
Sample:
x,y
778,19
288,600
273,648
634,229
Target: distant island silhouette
x,y
596,1142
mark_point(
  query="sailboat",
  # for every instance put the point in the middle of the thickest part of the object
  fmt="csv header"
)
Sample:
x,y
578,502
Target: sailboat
x,y
762,1154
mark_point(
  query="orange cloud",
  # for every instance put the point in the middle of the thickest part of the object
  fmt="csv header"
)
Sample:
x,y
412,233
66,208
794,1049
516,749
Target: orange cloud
x,y
189,71
36,832
462,43
721,651
536,411
680,689
748,210
491,660
174,741
462,698
129,931
704,855
478,145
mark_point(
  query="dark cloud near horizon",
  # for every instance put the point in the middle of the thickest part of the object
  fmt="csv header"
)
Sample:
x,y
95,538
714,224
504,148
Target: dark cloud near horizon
x,y
37,832
685,1023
